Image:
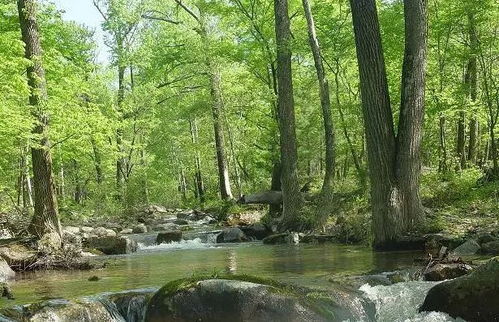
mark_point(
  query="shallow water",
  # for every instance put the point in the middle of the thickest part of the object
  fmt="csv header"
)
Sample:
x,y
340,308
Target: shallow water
x,y
306,265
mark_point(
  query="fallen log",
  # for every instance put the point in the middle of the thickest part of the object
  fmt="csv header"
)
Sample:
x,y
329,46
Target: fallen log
x,y
262,198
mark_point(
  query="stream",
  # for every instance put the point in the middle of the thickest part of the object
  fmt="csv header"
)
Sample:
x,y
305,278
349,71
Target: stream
x,y
303,265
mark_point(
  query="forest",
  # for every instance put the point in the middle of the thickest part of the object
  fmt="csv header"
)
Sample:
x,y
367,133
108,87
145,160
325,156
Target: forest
x,y
199,128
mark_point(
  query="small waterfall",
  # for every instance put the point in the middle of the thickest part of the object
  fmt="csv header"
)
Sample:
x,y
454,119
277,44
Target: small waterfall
x,y
400,302
183,244
127,306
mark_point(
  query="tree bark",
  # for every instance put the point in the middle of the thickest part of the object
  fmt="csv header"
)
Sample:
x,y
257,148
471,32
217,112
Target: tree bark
x,y
198,175
325,100
394,162
471,86
46,215
217,110
292,199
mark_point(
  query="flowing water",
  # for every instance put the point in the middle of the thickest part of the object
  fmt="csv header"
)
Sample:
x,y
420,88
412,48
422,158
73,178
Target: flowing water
x,y
305,265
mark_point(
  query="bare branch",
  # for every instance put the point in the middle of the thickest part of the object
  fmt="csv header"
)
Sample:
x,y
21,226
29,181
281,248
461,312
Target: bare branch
x,y
96,5
188,10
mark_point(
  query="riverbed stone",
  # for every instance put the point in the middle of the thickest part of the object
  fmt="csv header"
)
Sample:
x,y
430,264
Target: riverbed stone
x,y
126,231
470,247
112,245
440,272
256,231
491,248
139,229
6,273
86,229
227,300
231,235
103,232
473,297
181,222
169,236
165,227
71,229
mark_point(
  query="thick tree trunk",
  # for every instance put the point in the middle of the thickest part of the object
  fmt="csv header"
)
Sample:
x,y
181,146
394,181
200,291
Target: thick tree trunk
x,y
410,128
461,141
46,216
325,99
217,110
442,165
394,165
292,199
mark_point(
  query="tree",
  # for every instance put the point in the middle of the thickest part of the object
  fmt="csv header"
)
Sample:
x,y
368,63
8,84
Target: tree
x,y
46,215
325,99
292,199
394,161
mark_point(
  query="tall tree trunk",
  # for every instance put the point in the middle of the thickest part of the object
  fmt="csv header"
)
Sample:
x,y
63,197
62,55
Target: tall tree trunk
x,y
198,174
471,86
46,215
217,110
99,176
410,127
120,162
442,165
325,100
393,161
292,199
461,140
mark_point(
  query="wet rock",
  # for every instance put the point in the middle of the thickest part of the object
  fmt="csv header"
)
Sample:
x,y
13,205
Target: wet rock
x,y
64,311
227,300
6,273
112,245
283,238
18,256
473,297
256,231
470,247
181,222
231,235
168,237
126,231
440,272
165,227
491,248
139,229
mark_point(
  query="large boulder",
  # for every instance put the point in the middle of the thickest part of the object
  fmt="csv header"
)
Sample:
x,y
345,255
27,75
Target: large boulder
x,y
256,231
112,245
139,229
231,235
491,248
473,297
440,272
62,311
239,300
470,247
6,273
17,255
169,236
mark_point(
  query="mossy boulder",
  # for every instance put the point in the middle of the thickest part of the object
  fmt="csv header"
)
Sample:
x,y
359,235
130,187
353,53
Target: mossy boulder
x,y
169,236
473,297
246,298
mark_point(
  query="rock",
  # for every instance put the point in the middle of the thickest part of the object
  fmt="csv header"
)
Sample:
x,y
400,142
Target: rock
x,y
165,227
103,232
484,238
71,243
18,256
440,272
283,238
112,245
139,229
168,237
434,242
231,235
227,300
245,218
132,304
181,222
126,231
473,297
6,273
87,230
470,247
256,231
65,311
71,229
185,214
491,248
5,233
